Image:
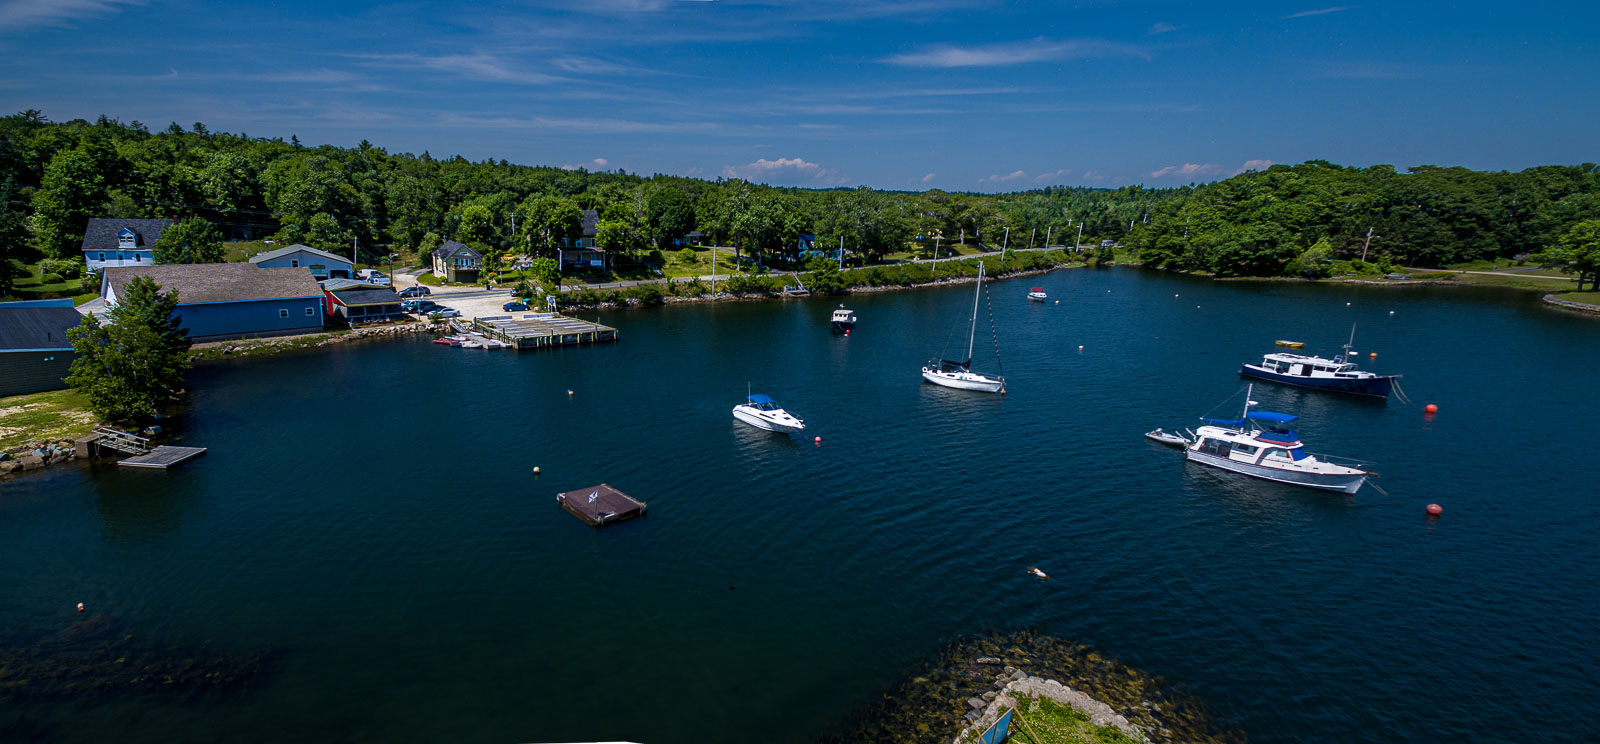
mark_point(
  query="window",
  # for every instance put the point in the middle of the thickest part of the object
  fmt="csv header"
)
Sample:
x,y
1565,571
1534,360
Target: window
x,y
283,313
294,263
136,258
310,311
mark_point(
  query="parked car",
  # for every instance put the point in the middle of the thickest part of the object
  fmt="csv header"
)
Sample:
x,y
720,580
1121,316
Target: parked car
x,y
418,306
441,311
373,276
417,291
514,306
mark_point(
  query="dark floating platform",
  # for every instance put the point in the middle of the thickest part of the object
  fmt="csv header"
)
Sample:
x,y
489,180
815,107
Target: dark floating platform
x,y
608,505
164,457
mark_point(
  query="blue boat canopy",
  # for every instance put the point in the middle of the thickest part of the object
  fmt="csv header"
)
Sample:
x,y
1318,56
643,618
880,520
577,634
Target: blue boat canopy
x,y
1280,418
759,399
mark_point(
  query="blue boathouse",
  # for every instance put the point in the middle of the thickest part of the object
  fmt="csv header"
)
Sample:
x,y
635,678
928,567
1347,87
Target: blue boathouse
x,y
231,300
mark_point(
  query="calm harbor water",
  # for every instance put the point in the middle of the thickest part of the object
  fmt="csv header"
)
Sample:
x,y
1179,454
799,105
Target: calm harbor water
x,y
367,521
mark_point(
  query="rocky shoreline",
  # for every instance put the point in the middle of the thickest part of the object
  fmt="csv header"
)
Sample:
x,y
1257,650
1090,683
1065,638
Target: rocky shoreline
x,y
37,455
1016,686
1551,299
953,690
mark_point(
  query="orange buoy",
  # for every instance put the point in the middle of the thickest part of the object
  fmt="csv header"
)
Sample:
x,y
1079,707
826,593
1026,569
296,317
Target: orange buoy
x,y
1431,408
1435,510
80,607
1374,355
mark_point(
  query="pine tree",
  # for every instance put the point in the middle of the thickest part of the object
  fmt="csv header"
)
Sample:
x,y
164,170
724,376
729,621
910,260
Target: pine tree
x,y
135,361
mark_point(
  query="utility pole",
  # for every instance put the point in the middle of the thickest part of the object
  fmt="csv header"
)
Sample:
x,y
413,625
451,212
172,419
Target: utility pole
x,y
353,258
841,253
936,251
963,236
1047,231
1004,244
1364,245
1031,234
513,224
1077,245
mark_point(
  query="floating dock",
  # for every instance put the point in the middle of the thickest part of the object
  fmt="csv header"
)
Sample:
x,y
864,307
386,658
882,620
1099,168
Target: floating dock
x,y
601,505
542,330
163,457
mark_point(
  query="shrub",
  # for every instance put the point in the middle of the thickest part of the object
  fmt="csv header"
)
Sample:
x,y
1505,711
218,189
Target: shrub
x,y
51,279
647,294
686,256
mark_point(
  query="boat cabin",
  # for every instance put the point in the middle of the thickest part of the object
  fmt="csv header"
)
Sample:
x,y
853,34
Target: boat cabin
x,y
1306,366
844,316
1233,441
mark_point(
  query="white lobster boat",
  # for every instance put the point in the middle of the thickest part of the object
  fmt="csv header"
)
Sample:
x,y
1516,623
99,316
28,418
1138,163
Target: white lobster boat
x,y
1273,452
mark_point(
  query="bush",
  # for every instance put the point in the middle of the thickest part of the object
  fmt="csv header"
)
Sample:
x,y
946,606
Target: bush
x,y
686,256
66,268
647,294
51,279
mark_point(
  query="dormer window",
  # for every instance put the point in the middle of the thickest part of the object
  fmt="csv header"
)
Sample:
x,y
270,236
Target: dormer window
x,y
127,239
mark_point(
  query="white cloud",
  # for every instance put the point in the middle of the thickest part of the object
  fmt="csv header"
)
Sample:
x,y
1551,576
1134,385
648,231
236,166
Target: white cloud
x,y
1012,53
476,66
997,178
1317,12
25,13
1196,170
782,170
929,177
592,165
1160,28
1042,177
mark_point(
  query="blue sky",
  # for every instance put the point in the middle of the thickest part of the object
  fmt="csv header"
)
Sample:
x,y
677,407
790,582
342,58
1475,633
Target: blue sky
x,y
901,94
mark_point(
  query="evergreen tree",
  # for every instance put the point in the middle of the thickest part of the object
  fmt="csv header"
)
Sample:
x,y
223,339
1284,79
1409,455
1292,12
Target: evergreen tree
x,y
191,241
135,361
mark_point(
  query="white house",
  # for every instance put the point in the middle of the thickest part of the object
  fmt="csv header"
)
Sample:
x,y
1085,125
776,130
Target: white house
x,y
323,265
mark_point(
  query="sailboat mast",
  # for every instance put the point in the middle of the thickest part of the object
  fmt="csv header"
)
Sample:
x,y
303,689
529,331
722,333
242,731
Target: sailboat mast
x,y
1247,391
973,332
1350,343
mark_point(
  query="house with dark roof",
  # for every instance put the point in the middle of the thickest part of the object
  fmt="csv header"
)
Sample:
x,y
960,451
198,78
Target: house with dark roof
x,y
457,262
35,354
584,252
113,241
230,300
369,304
322,264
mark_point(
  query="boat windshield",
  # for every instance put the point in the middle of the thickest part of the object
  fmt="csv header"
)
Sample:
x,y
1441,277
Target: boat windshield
x,y
945,365
762,402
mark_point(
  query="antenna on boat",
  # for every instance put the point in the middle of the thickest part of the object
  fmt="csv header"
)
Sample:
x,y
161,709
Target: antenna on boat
x,y
1247,391
1350,343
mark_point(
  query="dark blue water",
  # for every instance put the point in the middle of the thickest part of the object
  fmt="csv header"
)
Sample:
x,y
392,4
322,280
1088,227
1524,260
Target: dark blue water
x,y
367,518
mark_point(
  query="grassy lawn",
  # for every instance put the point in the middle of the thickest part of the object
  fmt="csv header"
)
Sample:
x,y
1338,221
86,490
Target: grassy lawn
x,y
55,415
33,288
238,251
1587,297
701,266
1054,723
1519,281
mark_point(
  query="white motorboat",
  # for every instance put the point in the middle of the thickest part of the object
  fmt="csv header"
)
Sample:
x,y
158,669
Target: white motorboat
x,y
959,375
1167,437
1037,294
762,412
1273,452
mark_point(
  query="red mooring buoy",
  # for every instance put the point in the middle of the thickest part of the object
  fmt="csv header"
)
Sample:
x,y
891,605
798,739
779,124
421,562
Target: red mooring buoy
x,y
1430,408
80,607
818,440
1435,510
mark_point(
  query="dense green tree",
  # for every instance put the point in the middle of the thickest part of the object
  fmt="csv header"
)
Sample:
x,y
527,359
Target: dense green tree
x,y
669,215
73,190
546,272
550,220
477,225
191,241
1578,254
13,235
135,361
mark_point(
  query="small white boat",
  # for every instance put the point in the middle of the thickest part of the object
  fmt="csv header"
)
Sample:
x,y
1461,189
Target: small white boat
x,y
959,375
843,320
1037,294
762,412
1167,437
1273,453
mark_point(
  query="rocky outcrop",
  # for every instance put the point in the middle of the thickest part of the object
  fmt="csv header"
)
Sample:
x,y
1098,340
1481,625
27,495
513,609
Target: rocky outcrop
x,y
36,455
1551,299
1016,686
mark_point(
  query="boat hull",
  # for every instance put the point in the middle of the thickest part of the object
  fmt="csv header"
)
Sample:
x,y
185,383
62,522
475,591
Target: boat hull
x,y
1343,483
1376,387
977,382
763,423
840,326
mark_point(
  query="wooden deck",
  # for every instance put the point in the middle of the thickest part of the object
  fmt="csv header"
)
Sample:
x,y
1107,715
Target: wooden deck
x,y
542,330
609,505
164,457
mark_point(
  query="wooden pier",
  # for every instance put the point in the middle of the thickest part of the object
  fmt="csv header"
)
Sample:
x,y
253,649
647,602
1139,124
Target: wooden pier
x,y
601,505
542,330
163,457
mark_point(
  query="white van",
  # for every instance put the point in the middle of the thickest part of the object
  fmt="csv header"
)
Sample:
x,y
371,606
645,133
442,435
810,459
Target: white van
x,y
373,276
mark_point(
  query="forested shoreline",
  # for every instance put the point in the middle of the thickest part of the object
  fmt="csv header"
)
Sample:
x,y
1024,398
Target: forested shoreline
x,y
1310,220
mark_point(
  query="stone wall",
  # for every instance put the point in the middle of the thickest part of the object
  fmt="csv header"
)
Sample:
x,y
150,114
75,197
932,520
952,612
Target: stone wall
x,y
1016,684
1570,305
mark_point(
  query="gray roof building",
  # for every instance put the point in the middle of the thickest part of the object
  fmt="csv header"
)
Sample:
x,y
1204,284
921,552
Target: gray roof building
x,y
452,247
219,282
37,328
102,233
287,250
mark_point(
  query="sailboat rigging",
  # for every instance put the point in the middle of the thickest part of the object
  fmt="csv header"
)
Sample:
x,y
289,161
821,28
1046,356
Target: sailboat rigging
x,y
959,375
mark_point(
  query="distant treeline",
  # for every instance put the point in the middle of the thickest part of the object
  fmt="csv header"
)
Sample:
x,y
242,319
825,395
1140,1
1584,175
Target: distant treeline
x,y
55,176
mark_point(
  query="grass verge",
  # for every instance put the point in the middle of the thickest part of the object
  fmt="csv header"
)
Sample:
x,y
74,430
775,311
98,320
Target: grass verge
x,y
1054,723
1587,297
52,416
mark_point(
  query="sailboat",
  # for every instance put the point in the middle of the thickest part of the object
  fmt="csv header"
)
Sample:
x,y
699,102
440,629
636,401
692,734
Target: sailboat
x,y
959,375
